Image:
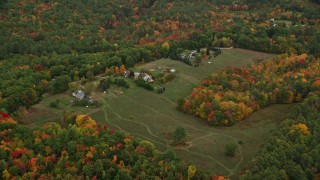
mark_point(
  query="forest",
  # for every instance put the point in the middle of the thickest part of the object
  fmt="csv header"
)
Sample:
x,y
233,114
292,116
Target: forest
x,y
293,150
83,149
46,45
39,44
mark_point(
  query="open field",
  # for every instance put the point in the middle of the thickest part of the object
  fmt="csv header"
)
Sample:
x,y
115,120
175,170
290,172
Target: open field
x,y
153,116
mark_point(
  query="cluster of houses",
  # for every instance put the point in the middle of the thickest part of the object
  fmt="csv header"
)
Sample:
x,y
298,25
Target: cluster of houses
x,y
80,94
142,75
136,75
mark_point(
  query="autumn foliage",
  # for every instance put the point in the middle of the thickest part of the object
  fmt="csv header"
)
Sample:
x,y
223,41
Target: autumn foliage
x,y
293,149
82,150
235,93
301,128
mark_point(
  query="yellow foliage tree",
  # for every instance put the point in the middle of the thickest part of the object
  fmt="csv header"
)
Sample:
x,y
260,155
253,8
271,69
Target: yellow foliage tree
x,y
290,97
201,111
110,71
227,105
5,174
174,27
84,121
166,45
243,111
89,155
191,171
301,127
299,98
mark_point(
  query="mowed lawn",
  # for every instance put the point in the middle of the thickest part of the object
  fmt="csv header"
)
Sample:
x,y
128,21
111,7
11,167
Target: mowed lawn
x,y
153,116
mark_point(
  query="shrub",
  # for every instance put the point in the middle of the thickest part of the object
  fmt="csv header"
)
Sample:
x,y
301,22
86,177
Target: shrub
x,y
104,84
121,82
179,135
230,149
180,103
169,76
142,83
54,104
166,77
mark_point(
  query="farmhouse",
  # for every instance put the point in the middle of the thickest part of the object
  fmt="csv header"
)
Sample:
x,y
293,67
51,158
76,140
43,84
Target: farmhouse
x,y
190,55
79,95
146,77
82,99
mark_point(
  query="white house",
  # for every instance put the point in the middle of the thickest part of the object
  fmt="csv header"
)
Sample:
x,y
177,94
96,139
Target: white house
x,y
78,94
146,77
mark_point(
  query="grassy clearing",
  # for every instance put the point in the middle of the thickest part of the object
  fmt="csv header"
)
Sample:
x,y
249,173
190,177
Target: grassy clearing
x,y
153,116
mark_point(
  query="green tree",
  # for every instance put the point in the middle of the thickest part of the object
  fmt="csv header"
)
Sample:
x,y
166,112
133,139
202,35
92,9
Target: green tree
x,y
180,103
98,168
179,135
198,59
104,85
87,170
14,170
59,84
73,87
3,166
230,149
88,88
122,174
90,76
129,62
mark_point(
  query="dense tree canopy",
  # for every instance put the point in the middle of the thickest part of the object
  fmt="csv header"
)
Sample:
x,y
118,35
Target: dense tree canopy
x,y
293,151
42,40
235,93
82,150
